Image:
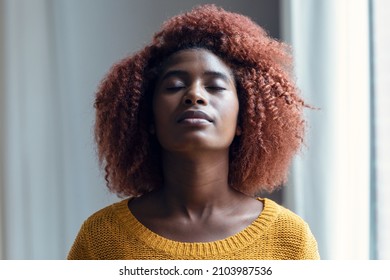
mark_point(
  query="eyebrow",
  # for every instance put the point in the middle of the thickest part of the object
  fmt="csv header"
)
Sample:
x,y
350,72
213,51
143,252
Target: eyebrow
x,y
172,73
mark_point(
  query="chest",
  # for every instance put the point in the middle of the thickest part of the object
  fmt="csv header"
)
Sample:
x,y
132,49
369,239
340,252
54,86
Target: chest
x,y
184,230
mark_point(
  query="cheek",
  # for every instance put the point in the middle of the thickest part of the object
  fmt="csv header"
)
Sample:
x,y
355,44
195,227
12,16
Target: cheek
x,y
229,111
162,117
160,108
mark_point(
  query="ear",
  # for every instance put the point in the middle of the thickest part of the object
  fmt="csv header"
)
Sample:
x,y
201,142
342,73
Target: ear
x,y
238,131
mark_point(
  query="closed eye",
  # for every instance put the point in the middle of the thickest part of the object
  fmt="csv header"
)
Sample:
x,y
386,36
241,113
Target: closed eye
x,y
215,88
175,88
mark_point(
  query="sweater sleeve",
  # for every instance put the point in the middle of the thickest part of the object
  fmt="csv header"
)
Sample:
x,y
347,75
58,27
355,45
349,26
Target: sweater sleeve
x,y
79,249
309,249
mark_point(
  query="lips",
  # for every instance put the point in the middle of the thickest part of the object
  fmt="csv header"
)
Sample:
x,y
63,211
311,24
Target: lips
x,y
194,115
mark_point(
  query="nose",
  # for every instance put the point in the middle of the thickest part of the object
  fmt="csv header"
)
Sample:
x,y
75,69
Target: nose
x,y
194,96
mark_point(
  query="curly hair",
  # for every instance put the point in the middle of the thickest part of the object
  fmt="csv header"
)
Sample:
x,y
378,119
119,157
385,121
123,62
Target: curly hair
x,y
270,108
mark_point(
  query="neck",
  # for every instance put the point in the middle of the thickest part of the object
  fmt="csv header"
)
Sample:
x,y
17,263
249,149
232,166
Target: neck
x,y
196,183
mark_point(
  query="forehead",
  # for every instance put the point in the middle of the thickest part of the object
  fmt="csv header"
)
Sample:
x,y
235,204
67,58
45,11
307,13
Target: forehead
x,y
195,59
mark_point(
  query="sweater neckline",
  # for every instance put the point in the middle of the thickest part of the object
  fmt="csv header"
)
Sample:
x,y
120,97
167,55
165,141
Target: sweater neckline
x,y
242,239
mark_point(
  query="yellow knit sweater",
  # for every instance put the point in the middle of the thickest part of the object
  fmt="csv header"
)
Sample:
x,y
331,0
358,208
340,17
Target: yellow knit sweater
x,y
114,233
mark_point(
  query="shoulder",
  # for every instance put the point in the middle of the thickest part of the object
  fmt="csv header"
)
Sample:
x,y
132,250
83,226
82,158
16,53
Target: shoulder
x,y
106,217
283,215
291,231
98,233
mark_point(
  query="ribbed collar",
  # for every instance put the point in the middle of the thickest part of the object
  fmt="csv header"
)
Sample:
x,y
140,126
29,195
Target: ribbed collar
x,y
181,250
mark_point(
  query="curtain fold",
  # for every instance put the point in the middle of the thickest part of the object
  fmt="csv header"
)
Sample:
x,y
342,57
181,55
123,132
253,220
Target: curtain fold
x,y
51,180
330,181
381,130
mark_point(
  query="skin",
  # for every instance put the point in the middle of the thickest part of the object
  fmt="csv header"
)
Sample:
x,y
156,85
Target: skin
x,y
196,204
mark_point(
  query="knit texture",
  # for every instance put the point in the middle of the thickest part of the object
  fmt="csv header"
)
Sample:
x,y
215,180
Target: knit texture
x,y
114,233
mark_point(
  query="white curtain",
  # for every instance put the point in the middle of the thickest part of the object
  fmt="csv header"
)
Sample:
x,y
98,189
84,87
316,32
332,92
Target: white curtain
x,y
330,181
29,152
51,181
381,69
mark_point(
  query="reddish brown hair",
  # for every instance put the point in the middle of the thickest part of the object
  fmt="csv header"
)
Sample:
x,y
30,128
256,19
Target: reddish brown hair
x,y
270,108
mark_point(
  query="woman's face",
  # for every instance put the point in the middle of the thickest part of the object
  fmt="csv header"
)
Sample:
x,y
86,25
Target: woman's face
x,y
195,103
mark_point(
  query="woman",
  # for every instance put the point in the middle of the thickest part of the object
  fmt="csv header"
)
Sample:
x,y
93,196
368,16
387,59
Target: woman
x,y
191,128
